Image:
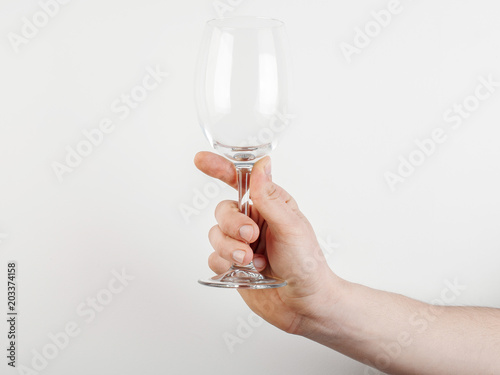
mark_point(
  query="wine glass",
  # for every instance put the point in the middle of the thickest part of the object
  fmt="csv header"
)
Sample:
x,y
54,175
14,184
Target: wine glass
x,y
241,96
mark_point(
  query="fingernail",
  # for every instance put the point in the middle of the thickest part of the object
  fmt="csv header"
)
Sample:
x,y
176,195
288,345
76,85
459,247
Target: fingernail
x,y
259,262
246,232
238,256
267,168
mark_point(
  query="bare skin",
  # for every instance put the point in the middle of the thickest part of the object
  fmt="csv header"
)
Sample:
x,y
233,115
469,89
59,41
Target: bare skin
x,y
391,332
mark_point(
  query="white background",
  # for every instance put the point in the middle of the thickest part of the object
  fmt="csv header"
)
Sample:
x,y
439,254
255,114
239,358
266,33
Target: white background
x,y
120,209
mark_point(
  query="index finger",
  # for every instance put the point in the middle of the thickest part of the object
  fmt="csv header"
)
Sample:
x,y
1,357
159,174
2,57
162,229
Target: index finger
x,y
216,166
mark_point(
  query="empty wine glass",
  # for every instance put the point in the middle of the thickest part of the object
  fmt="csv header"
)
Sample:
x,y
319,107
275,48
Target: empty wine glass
x,y
241,96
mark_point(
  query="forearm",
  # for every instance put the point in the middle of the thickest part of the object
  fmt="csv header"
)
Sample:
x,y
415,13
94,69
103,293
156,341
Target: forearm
x,y
400,335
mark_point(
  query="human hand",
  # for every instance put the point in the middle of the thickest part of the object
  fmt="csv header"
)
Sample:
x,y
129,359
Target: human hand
x,y
280,241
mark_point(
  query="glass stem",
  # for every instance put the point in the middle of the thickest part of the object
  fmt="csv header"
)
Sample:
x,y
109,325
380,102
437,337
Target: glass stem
x,y
244,171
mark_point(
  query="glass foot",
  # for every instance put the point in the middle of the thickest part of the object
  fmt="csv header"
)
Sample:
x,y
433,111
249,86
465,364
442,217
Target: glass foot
x,y
243,277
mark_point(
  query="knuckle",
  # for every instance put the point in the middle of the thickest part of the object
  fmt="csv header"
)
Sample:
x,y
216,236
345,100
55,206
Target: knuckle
x,y
218,208
212,235
213,231
212,262
223,207
221,247
273,192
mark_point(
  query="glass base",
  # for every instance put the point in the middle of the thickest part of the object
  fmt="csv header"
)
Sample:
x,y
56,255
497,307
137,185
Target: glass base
x,y
243,277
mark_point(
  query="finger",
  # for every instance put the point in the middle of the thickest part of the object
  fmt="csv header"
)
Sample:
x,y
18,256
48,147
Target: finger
x,y
273,202
235,224
216,166
229,248
259,261
217,264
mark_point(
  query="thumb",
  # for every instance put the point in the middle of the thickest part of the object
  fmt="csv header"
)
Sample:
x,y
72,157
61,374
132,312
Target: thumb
x,y
275,205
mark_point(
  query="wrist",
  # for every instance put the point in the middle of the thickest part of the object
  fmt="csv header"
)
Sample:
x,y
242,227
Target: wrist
x,y
323,321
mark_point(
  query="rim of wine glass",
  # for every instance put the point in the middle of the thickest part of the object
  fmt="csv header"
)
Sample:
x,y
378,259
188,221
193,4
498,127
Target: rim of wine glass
x,y
224,22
